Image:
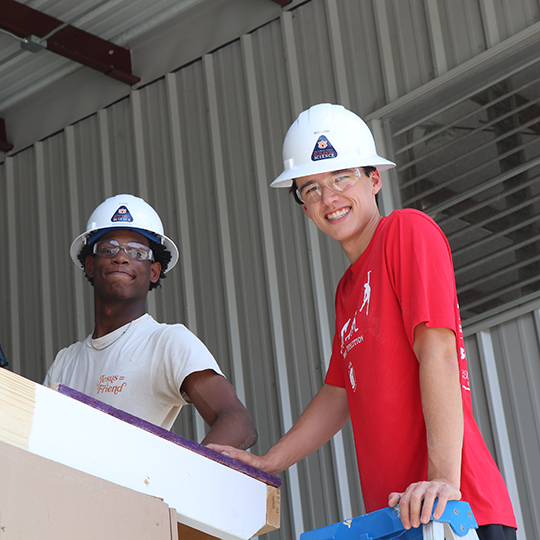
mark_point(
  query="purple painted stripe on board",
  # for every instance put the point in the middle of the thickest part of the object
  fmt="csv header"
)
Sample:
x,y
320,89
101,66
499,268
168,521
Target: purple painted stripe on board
x,y
265,477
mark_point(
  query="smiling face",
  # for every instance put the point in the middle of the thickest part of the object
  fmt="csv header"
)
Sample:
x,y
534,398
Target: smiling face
x,y
350,217
119,277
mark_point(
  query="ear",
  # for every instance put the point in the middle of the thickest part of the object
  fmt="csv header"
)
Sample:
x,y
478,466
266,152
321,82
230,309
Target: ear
x,y
155,272
375,177
89,265
306,211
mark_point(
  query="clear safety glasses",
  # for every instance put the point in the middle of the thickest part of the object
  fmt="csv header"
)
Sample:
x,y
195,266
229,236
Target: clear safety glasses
x,y
134,250
338,182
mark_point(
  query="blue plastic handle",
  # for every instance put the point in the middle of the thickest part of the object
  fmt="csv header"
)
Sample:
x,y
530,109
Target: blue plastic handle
x,y
386,524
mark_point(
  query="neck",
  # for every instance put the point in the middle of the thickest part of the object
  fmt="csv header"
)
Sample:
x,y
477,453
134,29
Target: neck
x,y
355,248
113,315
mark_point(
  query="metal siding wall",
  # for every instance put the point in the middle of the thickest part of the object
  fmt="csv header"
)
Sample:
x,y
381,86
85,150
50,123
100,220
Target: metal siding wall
x,y
463,30
516,345
512,432
354,33
512,17
6,307
255,280
409,28
479,393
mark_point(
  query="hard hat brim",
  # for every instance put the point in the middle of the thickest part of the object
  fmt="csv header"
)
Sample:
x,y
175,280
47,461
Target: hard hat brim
x,y
285,179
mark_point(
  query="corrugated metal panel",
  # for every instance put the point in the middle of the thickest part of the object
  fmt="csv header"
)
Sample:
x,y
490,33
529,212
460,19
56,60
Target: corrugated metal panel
x,y
420,40
512,17
255,280
512,432
461,31
516,345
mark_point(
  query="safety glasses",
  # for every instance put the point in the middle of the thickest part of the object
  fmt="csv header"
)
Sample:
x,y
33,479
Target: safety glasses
x,y
134,250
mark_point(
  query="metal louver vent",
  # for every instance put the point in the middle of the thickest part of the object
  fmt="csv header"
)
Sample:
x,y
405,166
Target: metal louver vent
x,y
473,164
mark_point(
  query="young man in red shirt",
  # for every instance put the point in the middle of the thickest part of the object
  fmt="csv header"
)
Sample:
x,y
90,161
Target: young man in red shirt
x,y
398,369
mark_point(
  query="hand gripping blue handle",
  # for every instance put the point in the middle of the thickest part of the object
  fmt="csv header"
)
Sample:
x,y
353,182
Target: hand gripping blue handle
x,y
386,524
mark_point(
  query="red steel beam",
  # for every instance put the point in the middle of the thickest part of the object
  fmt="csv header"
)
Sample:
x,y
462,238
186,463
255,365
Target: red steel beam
x,y
70,42
4,145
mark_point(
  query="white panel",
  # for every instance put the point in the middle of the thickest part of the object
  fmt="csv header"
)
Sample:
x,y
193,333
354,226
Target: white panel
x,y
491,27
184,223
529,394
141,168
493,390
338,57
88,440
224,228
270,258
13,291
385,46
388,201
82,328
436,37
47,318
105,153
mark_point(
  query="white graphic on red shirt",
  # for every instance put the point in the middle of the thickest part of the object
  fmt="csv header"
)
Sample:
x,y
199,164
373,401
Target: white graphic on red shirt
x,y
349,329
352,377
110,384
347,332
465,380
465,384
367,294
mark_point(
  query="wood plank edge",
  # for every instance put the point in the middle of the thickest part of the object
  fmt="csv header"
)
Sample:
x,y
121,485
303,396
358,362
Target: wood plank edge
x,y
173,523
273,511
17,403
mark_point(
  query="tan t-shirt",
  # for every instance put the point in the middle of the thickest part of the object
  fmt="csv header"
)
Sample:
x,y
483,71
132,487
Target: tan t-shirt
x,y
139,368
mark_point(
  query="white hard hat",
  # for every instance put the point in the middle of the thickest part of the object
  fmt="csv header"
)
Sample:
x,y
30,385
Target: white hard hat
x,y
124,212
327,138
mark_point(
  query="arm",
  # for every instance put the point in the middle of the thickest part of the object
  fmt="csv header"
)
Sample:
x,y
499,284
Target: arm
x,y
215,399
435,349
326,414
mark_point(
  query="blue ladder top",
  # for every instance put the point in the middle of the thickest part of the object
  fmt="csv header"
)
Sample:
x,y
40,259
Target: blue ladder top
x,y
386,524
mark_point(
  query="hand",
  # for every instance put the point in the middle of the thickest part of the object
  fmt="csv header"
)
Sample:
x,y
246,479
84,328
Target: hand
x,y
416,502
326,414
258,462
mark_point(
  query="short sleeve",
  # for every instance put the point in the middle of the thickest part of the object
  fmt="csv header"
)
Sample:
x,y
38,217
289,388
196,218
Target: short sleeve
x,y
180,354
421,272
334,375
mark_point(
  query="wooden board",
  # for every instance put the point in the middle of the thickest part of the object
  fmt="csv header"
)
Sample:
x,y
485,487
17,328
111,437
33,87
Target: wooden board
x,y
210,492
40,498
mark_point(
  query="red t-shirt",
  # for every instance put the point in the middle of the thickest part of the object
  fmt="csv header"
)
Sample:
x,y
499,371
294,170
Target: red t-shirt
x,y
404,278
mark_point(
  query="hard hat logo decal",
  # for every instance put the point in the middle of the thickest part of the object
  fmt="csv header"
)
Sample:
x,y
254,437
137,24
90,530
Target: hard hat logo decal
x,y
122,214
323,150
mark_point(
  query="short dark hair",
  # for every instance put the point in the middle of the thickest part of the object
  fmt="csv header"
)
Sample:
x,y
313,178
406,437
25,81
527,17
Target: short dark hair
x,y
294,187
161,255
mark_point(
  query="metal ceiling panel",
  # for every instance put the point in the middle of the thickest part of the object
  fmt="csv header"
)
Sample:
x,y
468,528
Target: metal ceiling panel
x,y
48,92
39,31
110,20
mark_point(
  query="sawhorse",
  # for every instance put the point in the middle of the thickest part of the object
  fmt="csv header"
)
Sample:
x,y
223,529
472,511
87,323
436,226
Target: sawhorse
x,y
456,523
